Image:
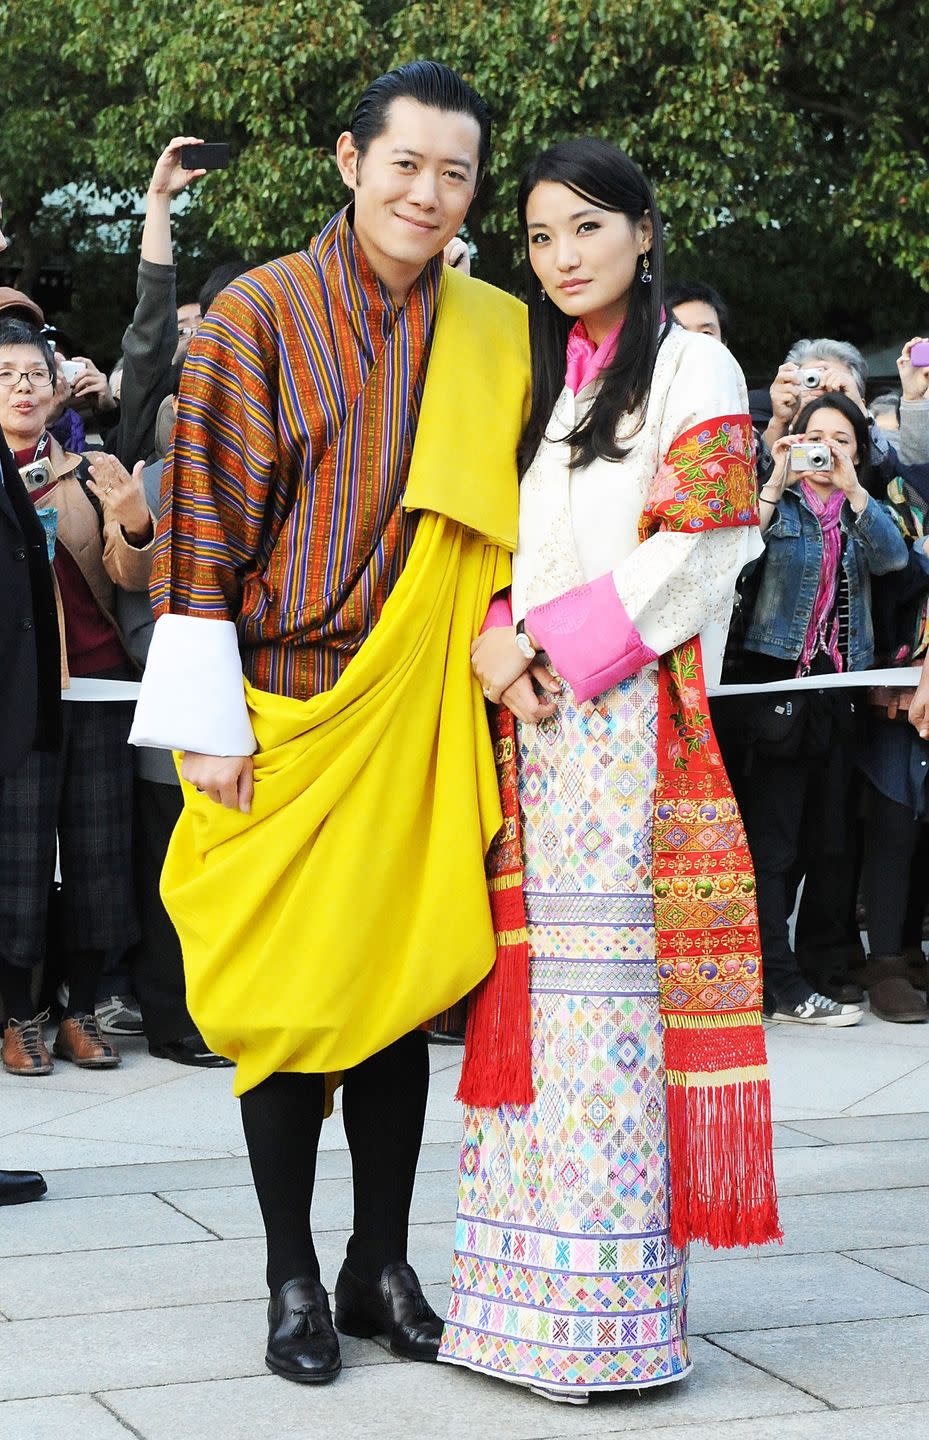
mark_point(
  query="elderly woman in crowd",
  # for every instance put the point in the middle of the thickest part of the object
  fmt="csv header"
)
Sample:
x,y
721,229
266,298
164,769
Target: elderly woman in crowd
x,y
98,528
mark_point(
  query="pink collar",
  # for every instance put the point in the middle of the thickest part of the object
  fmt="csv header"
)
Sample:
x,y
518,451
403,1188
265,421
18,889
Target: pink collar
x,y
583,359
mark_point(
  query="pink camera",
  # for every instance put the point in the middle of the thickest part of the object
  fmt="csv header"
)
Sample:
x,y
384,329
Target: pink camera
x,y
919,355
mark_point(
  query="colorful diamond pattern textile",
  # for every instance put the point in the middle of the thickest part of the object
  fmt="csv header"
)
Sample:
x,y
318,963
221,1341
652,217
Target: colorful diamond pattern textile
x,y
564,1274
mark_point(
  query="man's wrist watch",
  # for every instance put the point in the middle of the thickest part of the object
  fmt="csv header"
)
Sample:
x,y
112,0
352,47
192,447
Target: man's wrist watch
x,y
524,644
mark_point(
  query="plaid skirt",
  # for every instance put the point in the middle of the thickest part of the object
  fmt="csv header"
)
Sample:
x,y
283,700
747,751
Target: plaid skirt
x,y
80,795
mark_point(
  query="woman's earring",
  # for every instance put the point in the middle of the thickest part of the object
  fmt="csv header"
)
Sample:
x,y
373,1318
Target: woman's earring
x,y
543,294
646,275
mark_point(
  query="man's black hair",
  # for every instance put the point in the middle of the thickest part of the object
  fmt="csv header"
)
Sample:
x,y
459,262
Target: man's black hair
x,y
682,291
20,332
430,84
218,279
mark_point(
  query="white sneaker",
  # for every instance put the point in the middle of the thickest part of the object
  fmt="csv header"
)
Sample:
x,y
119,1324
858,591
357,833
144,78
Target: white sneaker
x,y
818,1009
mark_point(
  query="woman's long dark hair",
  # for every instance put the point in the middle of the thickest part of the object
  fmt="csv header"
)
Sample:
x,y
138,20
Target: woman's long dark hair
x,y
837,400
595,170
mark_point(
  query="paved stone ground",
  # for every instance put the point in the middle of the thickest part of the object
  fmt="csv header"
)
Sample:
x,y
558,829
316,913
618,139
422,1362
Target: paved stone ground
x,y
131,1298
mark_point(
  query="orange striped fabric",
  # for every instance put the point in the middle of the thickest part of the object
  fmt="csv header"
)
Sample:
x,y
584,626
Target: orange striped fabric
x,y
281,495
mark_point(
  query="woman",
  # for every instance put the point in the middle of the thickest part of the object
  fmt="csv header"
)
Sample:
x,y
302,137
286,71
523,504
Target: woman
x,y
577,1205
792,756
98,527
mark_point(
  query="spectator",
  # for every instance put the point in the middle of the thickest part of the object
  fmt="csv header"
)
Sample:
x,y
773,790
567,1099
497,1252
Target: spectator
x,y
218,279
886,410
96,524
152,338
14,305
912,444
791,756
699,307
188,323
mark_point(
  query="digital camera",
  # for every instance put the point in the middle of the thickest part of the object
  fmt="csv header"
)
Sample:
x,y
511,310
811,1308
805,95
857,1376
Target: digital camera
x,y
810,457
811,378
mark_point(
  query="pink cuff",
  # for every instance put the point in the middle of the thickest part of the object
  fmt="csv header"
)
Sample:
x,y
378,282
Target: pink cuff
x,y
590,638
499,612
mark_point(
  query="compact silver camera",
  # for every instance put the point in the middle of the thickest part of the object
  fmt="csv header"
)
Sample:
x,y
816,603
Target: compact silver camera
x,y
810,457
811,378
36,475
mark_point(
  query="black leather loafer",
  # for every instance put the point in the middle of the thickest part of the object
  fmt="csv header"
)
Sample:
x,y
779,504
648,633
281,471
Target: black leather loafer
x,y
302,1344
18,1186
395,1307
189,1050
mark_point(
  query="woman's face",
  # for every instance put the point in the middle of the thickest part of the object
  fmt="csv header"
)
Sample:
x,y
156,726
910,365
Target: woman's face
x,y
585,257
827,425
25,398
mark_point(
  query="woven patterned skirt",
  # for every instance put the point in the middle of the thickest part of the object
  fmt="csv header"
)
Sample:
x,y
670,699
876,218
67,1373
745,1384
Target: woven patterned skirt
x,y
564,1274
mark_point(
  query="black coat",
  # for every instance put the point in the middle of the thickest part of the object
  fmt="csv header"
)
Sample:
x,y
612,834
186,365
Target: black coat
x,y
30,657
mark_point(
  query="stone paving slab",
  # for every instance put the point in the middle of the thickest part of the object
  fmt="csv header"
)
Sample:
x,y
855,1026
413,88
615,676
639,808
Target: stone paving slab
x,y
880,1422
861,1363
906,1262
878,1165
832,1078
31,1150
147,1348
86,1282
794,1289
865,1129
51,1227
67,1417
412,1402
909,1093
850,1220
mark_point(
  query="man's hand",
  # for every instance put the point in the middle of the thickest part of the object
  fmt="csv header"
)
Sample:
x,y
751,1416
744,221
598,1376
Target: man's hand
x,y
521,697
919,705
169,176
227,779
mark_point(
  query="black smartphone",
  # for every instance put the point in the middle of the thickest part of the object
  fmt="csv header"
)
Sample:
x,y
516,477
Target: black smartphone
x,y
205,157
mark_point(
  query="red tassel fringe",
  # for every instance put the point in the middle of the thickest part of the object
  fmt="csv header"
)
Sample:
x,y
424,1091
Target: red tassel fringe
x,y
722,1165
497,1066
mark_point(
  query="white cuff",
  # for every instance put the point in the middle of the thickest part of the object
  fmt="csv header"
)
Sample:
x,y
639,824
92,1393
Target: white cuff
x,y
192,696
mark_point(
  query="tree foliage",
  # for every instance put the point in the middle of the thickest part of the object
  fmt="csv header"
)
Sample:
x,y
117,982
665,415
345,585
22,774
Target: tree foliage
x,y
784,137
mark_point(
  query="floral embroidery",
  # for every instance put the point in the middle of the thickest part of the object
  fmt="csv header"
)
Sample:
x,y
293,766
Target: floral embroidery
x,y
707,478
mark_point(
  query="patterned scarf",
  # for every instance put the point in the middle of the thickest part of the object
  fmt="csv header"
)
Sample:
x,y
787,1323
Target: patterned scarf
x,y
708,950
822,633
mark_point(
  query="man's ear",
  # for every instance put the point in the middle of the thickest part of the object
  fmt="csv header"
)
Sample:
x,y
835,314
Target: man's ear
x,y
348,159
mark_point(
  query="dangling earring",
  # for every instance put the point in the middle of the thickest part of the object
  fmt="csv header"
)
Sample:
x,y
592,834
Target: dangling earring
x,y
543,294
646,275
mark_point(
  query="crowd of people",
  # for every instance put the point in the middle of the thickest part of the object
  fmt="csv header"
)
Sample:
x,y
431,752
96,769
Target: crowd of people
x,y
772,539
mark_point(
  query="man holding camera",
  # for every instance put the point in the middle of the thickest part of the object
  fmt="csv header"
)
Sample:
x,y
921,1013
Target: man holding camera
x,y
338,502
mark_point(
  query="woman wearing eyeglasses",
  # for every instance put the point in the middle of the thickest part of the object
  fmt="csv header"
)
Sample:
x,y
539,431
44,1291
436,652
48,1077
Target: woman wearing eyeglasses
x,y
98,530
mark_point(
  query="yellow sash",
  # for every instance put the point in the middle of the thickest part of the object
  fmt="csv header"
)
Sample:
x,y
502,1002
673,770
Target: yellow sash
x,y
351,904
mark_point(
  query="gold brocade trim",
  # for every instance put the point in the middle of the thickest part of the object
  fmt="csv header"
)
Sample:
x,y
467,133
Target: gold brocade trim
x,y
511,937
675,1020
692,1080
508,881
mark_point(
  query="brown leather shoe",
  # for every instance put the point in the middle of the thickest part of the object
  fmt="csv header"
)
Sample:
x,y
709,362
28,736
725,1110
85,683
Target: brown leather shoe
x,y
24,1048
891,995
81,1040
917,967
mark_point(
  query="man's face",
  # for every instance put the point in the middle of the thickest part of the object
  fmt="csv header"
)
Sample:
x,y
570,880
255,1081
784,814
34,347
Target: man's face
x,y
698,316
412,188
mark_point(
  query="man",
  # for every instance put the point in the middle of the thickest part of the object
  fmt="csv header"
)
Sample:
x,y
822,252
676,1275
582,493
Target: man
x,y
339,495
699,307
30,698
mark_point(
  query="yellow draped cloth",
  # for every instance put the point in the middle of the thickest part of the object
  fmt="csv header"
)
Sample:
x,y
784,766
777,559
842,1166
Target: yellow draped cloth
x,y
351,904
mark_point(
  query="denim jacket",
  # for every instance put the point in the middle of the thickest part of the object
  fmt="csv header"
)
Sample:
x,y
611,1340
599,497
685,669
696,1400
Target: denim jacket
x,y
872,544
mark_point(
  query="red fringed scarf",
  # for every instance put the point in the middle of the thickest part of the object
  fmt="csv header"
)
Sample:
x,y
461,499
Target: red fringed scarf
x,y
708,951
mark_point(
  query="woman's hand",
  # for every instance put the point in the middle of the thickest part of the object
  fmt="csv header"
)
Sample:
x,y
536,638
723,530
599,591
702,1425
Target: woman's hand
x,y
914,380
919,705
122,496
497,660
844,477
169,176
93,385
457,255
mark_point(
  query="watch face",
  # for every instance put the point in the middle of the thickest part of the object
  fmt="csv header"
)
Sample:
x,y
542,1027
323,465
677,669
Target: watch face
x,y
525,645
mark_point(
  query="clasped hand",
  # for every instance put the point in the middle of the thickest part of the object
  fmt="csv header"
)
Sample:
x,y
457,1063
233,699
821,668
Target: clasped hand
x,y
506,676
